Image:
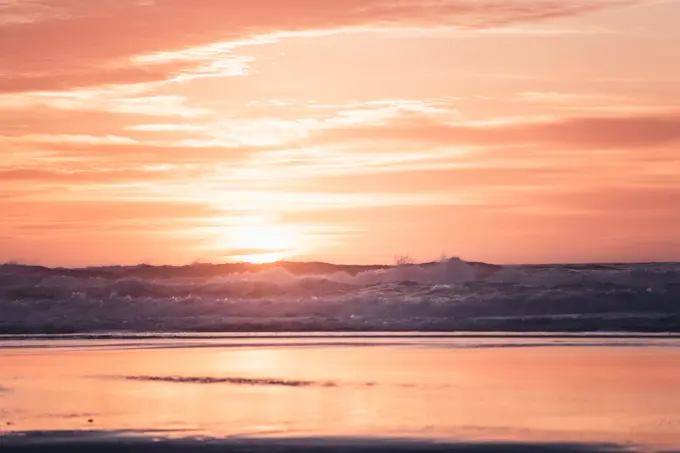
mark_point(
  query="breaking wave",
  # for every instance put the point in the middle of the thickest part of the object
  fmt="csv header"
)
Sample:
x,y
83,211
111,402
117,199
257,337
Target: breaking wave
x,y
449,295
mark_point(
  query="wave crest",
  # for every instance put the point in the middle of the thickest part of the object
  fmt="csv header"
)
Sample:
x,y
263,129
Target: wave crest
x,y
450,295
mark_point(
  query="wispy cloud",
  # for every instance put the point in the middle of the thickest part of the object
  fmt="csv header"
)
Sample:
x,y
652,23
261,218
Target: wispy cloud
x,y
71,43
570,132
169,127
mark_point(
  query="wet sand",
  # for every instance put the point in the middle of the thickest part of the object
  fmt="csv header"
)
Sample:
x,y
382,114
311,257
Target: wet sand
x,y
323,393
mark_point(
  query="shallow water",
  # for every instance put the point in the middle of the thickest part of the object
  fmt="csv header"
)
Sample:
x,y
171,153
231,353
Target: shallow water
x,y
623,391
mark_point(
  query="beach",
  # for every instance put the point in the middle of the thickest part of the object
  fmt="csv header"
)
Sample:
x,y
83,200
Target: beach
x,y
351,391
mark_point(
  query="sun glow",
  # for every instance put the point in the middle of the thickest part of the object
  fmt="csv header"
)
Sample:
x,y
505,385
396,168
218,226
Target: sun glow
x,y
263,258
262,244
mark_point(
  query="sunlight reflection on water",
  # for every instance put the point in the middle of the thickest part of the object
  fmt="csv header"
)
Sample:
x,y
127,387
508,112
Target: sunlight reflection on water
x,y
411,388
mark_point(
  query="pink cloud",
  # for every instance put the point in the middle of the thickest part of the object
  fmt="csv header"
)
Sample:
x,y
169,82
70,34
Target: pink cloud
x,y
17,122
579,133
70,43
438,180
128,152
57,78
105,211
91,176
618,201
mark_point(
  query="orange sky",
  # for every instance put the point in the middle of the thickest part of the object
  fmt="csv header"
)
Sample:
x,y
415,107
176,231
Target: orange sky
x,y
169,131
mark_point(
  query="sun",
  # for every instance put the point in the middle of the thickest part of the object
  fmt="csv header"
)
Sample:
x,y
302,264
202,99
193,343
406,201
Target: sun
x,y
262,244
263,258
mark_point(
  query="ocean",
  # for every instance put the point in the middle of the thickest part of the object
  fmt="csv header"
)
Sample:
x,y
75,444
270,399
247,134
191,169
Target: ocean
x,y
451,295
447,356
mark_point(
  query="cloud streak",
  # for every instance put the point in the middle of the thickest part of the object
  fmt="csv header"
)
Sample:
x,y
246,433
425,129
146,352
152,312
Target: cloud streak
x,y
577,132
73,43
401,122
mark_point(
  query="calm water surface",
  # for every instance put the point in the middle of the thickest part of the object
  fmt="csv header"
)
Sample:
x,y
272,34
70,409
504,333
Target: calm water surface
x,y
614,390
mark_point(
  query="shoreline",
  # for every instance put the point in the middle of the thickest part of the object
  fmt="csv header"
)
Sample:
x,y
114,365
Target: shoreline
x,y
114,441
188,335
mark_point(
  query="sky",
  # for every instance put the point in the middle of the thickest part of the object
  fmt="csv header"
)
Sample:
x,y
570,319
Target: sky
x,y
350,131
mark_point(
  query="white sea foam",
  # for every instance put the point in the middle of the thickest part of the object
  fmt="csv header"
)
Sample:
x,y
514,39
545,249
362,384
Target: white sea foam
x,y
453,294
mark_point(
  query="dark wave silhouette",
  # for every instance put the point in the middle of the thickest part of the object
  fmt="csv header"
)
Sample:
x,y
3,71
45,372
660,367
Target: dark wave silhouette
x,y
133,442
451,295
